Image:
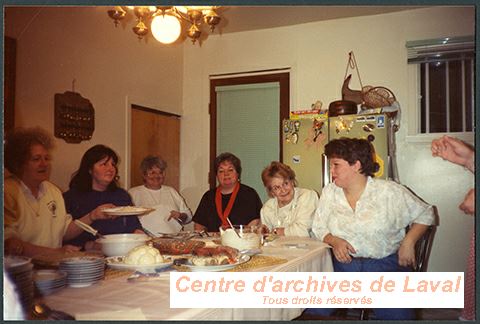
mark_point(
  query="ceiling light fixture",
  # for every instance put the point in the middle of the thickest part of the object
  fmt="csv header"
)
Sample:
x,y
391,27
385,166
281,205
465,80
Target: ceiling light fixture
x,y
165,22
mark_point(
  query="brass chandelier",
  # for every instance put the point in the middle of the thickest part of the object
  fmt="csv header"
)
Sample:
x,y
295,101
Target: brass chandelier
x,y
165,22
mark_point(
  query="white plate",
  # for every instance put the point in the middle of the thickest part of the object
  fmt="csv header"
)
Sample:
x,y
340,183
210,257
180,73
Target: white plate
x,y
118,263
223,267
126,211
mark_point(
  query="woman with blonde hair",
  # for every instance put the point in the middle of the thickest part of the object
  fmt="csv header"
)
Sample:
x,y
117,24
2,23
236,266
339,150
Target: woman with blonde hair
x,y
35,219
290,209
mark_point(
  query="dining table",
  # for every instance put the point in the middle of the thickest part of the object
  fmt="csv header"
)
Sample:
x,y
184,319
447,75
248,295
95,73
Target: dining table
x,y
117,298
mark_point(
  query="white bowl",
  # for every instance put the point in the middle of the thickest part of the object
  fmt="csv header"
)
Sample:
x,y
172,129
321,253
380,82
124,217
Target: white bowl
x,y
121,244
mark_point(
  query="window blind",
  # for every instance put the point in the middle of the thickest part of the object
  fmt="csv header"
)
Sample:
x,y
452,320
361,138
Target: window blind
x,y
440,49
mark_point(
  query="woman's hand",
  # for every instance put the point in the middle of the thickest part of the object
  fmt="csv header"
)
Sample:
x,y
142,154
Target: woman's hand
x,y
341,248
406,254
93,246
69,248
454,150
98,213
180,217
13,246
279,231
468,204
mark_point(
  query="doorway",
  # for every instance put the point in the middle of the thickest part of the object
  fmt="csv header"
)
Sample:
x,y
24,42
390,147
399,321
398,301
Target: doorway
x,y
155,132
246,114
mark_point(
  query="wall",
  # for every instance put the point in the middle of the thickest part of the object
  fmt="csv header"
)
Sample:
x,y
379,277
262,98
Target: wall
x,y
110,66
317,54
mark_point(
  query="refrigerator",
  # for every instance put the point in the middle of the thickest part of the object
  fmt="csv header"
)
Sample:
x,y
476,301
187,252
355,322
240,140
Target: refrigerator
x,y
305,136
304,139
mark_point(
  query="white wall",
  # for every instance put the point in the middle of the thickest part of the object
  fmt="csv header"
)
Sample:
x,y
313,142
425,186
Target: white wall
x,y
112,68
110,65
317,54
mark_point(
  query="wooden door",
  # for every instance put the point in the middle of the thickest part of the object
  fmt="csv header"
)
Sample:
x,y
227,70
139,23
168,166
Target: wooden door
x,y
155,133
9,83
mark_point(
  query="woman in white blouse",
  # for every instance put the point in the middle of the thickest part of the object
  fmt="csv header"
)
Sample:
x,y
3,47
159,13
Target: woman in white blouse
x,y
364,219
171,212
290,210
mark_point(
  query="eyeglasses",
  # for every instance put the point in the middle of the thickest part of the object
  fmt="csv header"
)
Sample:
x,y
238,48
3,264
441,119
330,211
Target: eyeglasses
x,y
152,173
285,185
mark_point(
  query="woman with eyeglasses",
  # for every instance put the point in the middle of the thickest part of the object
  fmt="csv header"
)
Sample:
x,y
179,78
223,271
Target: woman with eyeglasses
x,y
93,188
290,210
171,212
229,200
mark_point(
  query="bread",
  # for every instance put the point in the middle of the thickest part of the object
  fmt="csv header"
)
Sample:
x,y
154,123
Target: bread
x,y
144,255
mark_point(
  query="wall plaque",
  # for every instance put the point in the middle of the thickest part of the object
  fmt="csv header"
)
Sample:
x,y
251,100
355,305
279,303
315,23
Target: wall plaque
x,y
74,117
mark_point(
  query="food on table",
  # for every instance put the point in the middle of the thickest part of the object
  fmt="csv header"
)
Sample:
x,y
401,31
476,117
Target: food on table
x,y
144,255
176,246
219,255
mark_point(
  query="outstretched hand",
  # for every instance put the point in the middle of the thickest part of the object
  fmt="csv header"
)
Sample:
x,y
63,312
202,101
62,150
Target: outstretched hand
x,y
453,150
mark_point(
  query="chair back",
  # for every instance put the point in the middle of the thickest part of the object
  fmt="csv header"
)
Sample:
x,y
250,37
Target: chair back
x,y
423,248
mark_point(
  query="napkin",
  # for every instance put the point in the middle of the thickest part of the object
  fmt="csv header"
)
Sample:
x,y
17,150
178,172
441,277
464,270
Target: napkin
x,y
128,314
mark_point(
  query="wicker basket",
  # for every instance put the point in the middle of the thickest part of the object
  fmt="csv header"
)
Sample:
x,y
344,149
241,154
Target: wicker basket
x,y
376,97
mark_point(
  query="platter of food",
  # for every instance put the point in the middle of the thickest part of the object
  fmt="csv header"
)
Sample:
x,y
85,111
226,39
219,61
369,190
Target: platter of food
x,y
219,258
118,263
143,258
127,211
214,265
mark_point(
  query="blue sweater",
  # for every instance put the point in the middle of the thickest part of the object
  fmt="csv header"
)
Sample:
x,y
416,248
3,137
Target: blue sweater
x,y
78,204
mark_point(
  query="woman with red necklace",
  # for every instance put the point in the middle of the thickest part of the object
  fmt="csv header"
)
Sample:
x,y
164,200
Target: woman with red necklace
x,y
231,199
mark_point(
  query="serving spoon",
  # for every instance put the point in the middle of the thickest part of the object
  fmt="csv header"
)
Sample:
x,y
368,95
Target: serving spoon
x,y
88,228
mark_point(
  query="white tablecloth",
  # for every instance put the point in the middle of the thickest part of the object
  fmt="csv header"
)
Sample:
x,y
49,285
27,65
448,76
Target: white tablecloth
x,y
130,300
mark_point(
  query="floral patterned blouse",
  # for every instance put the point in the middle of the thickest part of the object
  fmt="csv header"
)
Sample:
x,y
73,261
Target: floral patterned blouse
x,y
376,227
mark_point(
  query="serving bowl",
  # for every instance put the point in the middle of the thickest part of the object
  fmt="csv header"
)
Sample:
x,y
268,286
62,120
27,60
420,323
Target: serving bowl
x,y
242,237
121,244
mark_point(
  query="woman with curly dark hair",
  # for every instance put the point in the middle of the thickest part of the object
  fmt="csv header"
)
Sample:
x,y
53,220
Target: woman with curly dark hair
x,y
93,188
35,220
365,219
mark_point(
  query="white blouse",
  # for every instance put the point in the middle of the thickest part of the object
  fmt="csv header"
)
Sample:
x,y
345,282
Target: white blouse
x,y
163,200
376,227
296,217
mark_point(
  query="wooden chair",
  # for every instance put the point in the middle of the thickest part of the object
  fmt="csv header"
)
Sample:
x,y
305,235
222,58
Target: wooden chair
x,y
422,254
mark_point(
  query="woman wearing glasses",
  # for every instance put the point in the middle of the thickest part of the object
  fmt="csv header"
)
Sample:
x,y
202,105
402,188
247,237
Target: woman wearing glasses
x,y
171,211
290,210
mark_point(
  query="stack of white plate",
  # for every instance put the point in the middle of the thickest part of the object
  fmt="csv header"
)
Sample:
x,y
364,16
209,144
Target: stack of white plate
x,y
49,281
83,271
19,270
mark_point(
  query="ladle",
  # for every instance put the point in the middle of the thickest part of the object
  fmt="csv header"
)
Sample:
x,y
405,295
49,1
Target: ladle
x,y
233,228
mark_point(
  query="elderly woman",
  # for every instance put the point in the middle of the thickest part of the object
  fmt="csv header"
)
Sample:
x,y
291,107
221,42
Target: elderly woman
x,y
35,220
171,211
93,188
364,219
290,210
231,199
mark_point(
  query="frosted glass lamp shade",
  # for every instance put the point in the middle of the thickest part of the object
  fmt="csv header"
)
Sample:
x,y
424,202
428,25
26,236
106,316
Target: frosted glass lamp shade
x,y
166,29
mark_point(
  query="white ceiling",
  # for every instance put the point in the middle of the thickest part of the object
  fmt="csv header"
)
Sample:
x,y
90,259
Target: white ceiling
x,y
238,18
261,17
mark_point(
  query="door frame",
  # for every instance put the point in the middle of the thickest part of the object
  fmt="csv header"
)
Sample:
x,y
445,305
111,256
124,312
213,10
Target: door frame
x,y
282,78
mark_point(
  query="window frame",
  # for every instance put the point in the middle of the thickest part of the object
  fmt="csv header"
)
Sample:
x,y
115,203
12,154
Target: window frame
x,y
414,111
